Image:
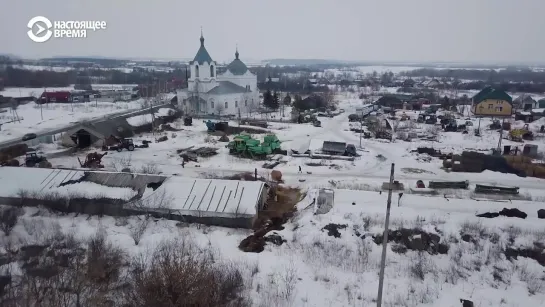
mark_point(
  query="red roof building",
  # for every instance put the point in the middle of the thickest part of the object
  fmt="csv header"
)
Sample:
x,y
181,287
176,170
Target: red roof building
x,y
61,96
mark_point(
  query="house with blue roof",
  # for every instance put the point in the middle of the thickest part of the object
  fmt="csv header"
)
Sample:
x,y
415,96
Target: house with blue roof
x,y
231,93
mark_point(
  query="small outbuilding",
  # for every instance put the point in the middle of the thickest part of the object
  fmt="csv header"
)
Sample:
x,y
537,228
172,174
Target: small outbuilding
x,y
97,134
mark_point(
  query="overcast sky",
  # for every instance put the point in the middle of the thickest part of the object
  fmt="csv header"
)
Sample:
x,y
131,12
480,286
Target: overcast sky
x,y
488,31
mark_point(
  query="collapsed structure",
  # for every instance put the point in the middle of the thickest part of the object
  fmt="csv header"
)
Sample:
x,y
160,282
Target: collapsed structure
x,y
228,203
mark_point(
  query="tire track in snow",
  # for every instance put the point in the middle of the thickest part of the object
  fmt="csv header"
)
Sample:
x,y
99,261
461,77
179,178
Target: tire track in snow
x,y
350,138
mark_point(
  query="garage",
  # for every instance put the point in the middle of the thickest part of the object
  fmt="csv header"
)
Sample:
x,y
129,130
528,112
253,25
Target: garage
x,y
83,139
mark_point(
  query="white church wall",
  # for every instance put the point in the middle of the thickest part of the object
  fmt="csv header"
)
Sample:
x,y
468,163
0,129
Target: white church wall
x,y
247,79
226,104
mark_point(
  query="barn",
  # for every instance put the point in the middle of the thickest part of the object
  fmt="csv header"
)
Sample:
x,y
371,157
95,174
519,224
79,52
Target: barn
x,y
228,203
97,134
60,96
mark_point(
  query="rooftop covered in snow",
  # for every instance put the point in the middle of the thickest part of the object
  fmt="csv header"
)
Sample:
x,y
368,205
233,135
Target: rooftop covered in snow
x,y
211,197
17,180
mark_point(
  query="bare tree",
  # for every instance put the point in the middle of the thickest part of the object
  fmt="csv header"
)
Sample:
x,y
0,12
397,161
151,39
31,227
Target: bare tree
x,y
120,164
219,108
14,106
178,275
249,107
329,98
150,168
138,230
8,218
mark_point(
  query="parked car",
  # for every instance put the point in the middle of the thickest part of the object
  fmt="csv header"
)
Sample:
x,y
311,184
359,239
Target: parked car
x,y
29,136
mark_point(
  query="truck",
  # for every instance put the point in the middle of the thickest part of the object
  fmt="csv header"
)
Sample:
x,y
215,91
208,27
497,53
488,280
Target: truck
x,y
339,149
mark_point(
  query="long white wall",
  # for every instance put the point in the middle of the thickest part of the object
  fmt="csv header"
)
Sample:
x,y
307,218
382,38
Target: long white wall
x,y
227,104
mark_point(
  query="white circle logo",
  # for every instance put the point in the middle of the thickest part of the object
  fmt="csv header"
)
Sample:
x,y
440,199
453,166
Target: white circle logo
x,y
42,25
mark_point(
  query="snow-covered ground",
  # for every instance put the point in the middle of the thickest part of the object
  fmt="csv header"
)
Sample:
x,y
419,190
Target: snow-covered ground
x,y
375,160
314,268
34,118
333,259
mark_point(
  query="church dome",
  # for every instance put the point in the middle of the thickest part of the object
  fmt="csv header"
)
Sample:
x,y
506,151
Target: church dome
x,y
202,55
237,67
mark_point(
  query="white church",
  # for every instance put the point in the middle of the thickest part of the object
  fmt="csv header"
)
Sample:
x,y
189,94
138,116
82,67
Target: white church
x,y
231,93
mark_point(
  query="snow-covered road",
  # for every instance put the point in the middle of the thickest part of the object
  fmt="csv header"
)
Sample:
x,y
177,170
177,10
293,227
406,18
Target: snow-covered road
x,y
529,183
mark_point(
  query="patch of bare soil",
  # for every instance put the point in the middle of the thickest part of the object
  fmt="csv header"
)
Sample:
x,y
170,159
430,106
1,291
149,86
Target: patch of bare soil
x,y
414,239
537,253
333,229
280,206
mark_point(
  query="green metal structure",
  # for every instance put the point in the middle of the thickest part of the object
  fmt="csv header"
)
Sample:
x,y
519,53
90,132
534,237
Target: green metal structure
x,y
244,145
271,141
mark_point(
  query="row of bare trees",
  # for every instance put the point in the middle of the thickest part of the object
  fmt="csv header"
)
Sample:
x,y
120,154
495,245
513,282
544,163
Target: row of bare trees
x,y
63,271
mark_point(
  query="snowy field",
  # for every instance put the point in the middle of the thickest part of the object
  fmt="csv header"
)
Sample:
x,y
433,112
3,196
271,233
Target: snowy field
x,y
37,91
34,118
333,259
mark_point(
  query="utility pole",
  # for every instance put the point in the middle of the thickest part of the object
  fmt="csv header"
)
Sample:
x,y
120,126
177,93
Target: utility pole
x,y
501,136
361,126
41,109
385,239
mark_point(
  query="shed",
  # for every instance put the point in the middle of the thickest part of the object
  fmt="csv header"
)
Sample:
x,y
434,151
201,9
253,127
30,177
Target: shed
x,y
97,134
228,203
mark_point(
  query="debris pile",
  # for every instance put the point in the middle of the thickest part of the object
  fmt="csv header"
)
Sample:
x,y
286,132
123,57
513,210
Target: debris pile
x,y
12,152
513,212
276,176
167,127
161,139
191,154
416,240
92,160
256,123
524,165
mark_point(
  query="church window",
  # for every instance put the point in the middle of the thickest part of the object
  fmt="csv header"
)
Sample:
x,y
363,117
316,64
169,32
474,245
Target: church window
x,y
226,105
211,104
212,71
246,102
196,71
236,104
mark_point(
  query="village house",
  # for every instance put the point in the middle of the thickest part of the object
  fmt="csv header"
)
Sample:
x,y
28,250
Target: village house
x,y
408,83
492,102
55,97
398,101
525,102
